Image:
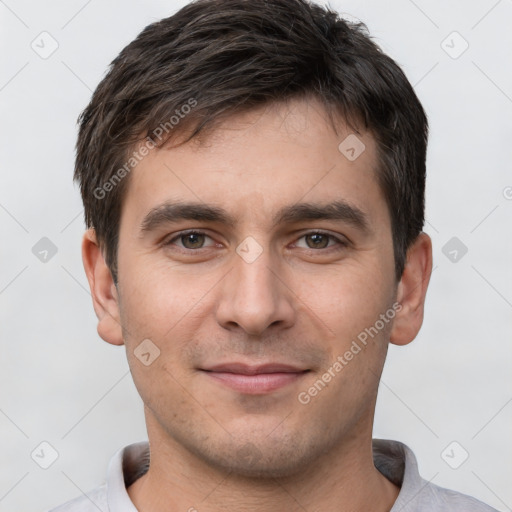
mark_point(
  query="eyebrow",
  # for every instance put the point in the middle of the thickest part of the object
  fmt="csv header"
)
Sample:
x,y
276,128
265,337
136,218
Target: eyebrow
x,y
169,212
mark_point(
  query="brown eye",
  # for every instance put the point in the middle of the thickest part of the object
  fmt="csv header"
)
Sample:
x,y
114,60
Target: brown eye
x,y
192,240
317,240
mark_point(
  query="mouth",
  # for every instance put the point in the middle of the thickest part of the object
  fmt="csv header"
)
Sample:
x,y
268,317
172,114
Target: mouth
x,y
255,380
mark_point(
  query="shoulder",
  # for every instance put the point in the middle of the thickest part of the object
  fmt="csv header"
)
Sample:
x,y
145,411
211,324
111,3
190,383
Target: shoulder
x,y
124,467
93,501
397,463
435,498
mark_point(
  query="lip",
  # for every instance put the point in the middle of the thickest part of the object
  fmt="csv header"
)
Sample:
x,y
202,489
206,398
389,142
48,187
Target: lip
x,y
255,380
247,369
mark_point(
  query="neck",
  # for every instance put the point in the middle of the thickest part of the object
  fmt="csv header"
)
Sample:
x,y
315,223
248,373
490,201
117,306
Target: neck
x,y
344,479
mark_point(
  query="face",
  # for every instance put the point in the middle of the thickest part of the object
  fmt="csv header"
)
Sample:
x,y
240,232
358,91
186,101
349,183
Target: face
x,y
253,261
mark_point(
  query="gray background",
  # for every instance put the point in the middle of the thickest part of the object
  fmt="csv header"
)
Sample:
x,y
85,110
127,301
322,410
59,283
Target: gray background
x,y
63,385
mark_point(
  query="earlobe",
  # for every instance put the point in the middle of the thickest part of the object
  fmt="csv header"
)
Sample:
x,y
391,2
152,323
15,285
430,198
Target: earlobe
x,y
412,290
103,290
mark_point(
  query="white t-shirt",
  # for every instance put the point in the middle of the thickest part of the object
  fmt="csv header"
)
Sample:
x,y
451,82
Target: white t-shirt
x,y
393,459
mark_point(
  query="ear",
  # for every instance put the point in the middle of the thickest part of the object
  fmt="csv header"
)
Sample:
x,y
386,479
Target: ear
x,y
103,290
412,290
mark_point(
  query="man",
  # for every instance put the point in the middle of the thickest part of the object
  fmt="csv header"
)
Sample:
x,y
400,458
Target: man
x,y
253,179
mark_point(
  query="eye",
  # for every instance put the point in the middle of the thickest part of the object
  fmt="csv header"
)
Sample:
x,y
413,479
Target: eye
x,y
320,240
195,240
190,240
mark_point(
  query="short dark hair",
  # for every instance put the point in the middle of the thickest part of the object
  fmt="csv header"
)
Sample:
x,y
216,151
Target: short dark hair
x,y
214,58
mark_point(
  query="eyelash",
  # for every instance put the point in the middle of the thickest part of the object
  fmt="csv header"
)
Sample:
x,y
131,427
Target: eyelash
x,y
341,243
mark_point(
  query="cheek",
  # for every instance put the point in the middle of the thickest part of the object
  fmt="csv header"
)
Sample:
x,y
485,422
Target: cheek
x,y
348,299
170,308
156,301
350,304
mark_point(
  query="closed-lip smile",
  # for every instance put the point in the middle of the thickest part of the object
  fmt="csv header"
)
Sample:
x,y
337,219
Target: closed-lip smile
x,y
255,379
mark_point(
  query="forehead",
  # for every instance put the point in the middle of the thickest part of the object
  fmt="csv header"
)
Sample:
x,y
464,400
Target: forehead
x,y
255,163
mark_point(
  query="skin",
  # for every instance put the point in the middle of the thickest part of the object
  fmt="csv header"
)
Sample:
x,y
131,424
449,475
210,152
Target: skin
x,y
214,448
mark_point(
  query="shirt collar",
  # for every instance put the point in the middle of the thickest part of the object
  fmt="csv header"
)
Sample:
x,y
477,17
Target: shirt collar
x,y
397,463
120,475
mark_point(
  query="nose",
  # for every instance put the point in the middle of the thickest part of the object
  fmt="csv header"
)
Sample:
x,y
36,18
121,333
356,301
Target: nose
x,y
255,297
